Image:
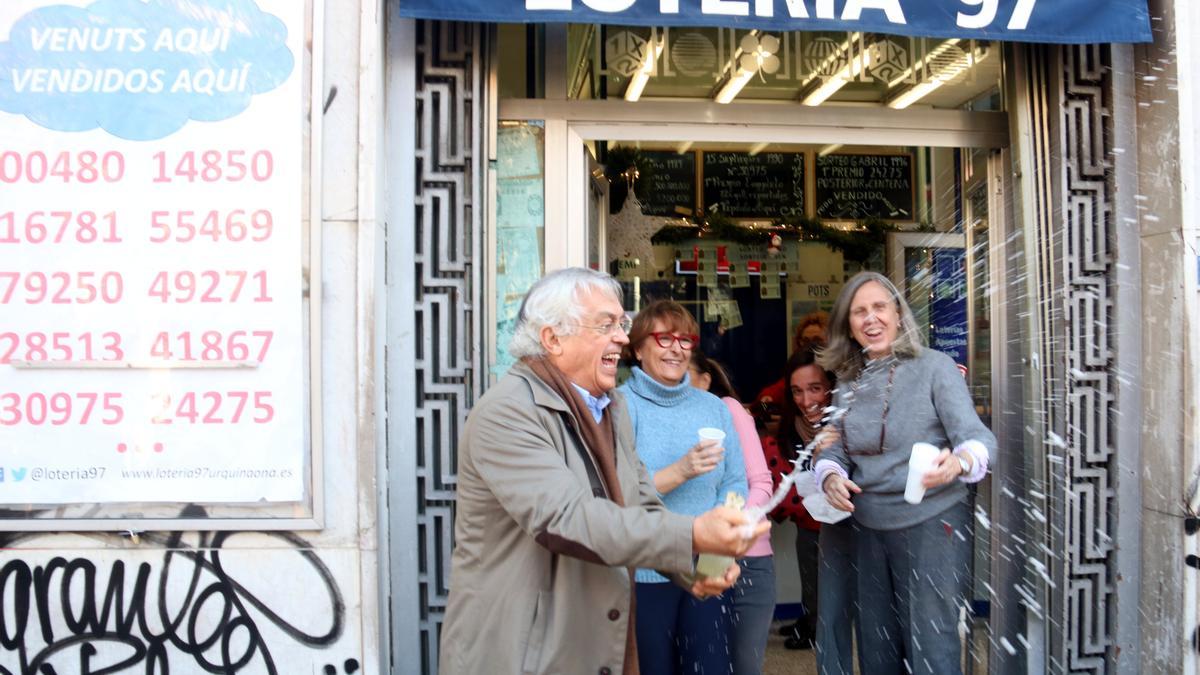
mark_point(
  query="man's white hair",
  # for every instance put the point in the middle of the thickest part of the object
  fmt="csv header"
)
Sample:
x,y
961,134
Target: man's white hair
x,y
556,301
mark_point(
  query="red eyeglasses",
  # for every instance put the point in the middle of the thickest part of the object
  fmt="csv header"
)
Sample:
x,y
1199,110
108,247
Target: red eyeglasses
x,y
686,342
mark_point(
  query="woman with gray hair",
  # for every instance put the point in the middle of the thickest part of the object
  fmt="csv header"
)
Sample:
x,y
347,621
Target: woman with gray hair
x,y
913,559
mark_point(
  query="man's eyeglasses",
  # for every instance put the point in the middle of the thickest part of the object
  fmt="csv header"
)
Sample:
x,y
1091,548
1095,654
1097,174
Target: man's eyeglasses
x,y
608,327
686,342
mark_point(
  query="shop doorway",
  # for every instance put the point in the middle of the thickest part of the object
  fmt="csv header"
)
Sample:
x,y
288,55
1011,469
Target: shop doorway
x,y
687,219
754,237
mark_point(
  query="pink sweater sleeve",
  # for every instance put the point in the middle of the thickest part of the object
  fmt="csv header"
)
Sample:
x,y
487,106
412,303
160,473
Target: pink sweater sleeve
x,y
757,475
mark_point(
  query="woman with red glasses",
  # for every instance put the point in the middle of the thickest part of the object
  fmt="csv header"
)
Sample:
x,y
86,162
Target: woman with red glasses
x,y
677,633
913,560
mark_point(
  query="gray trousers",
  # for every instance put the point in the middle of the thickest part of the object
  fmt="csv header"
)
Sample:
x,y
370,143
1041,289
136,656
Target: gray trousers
x,y
837,600
753,606
912,584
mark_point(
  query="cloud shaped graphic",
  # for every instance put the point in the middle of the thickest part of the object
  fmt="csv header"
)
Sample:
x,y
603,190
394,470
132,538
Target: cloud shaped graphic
x,y
141,69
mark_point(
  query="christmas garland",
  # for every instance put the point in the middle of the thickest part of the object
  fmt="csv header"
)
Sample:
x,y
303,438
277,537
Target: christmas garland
x,y
857,245
715,226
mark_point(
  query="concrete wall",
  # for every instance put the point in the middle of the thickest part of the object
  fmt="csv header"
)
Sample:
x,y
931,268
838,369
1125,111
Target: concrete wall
x,y
286,602
1166,203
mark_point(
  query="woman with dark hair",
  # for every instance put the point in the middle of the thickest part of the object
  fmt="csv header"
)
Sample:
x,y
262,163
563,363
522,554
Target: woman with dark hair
x,y
824,552
914,559
810,335
677,633
754,595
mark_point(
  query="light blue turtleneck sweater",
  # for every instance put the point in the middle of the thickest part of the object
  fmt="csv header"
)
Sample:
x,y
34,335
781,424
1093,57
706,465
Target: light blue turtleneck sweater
x,y
665,422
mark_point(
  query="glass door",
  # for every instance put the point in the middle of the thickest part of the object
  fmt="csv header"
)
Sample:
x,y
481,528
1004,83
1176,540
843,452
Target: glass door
x,y
517,239
934,271
596,191
929,268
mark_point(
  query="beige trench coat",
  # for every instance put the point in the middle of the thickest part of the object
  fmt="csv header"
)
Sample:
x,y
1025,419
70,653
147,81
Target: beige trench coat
x,y
514,606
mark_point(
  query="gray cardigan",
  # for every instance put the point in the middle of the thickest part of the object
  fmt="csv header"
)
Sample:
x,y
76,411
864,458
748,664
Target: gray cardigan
x,y
929,402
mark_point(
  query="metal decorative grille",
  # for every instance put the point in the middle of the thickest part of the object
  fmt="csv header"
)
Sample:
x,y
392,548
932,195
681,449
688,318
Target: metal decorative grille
x,y
450,118
1089,516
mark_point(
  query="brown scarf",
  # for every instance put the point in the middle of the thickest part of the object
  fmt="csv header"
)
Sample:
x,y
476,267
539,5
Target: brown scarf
x,y
600,440
807,431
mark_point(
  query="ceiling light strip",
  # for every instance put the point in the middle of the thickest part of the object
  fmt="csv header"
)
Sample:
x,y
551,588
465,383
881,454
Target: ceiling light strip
x,y
637,84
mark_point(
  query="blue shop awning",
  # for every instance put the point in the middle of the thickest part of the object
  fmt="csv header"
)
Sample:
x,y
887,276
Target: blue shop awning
x,y
1059,21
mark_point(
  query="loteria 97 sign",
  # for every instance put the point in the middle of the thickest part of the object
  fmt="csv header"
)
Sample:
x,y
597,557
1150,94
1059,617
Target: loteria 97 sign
x,y
151,242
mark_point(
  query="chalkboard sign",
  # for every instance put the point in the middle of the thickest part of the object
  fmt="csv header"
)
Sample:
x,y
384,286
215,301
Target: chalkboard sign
x,y
854,187
668,181
763,185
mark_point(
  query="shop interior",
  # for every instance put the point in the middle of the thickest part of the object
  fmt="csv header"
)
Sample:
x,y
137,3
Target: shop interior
x,y
755,253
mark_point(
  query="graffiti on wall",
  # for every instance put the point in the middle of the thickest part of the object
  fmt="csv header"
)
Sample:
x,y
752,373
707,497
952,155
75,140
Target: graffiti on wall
x,y
190,605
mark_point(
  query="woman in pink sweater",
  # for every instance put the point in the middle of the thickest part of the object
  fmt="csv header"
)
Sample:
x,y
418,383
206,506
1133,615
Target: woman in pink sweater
x,y
754,594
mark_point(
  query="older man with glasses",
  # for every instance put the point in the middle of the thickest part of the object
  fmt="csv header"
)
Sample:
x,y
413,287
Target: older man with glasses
x,y
554,508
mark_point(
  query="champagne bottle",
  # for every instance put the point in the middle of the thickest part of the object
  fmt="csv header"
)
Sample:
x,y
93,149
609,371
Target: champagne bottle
x,y
711,565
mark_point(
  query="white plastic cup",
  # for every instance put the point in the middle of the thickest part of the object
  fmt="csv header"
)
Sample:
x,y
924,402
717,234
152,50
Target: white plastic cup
x,y
711,434
920,462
